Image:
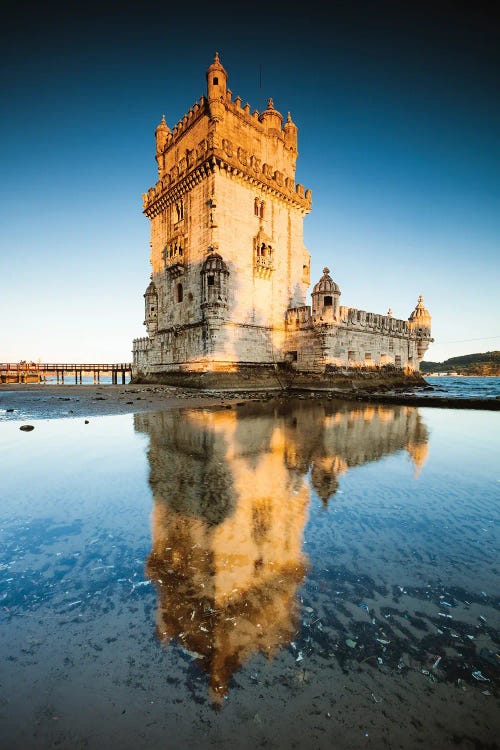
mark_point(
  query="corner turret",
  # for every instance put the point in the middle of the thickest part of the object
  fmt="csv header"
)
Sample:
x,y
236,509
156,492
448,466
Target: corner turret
x,y
161,134
325,299
271,118
151,308
216,89
420,319
420,324
290,130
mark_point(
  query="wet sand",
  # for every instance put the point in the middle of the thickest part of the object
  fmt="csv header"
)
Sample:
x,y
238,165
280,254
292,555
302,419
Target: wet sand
x,y
33,401
59,401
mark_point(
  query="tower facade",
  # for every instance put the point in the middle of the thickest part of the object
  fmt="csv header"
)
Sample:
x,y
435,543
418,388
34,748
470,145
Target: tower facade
x,y
227,251
230,271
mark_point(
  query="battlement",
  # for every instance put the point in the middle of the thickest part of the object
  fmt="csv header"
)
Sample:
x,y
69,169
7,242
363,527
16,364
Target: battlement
x,y
298,318
219,133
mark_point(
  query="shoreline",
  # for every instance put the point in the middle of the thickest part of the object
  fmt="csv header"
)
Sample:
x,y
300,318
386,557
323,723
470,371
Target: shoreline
x,y
39,401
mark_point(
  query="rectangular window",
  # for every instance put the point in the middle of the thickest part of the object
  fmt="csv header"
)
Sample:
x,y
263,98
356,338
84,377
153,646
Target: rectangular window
x,y
210,280
351,356
397,361
368,356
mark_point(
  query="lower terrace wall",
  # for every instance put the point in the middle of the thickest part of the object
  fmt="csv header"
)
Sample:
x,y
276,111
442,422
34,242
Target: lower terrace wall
x,y
215,345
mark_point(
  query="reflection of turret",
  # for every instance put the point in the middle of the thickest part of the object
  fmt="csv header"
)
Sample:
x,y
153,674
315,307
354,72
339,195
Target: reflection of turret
x,y
230,506
418,448
331,441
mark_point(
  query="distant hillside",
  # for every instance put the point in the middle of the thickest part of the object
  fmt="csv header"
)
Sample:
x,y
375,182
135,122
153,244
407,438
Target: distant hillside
x,y
487,363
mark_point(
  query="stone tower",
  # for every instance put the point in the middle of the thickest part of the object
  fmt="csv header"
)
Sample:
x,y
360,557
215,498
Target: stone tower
x,y
230,271
227,250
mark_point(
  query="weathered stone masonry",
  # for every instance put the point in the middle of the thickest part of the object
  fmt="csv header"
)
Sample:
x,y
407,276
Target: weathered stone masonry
x,y
230,271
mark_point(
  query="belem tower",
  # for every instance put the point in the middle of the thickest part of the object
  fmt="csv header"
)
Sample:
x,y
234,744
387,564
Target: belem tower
x,y
230,272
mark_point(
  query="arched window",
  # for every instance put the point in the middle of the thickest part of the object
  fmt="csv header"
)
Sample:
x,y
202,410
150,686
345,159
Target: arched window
x,y
261,209
215,81
256,207
180,293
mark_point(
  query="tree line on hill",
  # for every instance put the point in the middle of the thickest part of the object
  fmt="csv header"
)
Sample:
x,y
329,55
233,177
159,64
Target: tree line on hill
x,y
486,363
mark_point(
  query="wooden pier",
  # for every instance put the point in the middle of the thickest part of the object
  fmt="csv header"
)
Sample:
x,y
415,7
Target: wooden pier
x,y
35,372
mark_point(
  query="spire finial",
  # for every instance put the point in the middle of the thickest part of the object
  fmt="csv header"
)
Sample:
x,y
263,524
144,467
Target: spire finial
x,y
216,58
389,312
289,117
326,271
420,299
270,103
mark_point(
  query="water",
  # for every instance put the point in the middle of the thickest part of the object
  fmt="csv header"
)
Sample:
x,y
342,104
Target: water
x,y
69,379
301,575
464,387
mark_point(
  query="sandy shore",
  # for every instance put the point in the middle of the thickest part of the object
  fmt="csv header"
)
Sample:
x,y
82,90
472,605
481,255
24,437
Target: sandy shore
x,y
33,401
56,401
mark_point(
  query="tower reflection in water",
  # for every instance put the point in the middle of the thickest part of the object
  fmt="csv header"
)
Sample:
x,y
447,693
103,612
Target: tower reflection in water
x,y
231,495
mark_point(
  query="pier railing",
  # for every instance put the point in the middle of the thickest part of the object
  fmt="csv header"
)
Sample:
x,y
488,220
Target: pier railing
x,y
37,372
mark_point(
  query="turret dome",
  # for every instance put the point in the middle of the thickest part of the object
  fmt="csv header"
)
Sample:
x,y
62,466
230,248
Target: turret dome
x,y
326,284
162,127
151,289
420,314
214,263
216,66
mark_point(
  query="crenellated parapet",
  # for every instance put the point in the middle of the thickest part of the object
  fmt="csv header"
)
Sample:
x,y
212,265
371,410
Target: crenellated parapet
x,y
210,156
219,133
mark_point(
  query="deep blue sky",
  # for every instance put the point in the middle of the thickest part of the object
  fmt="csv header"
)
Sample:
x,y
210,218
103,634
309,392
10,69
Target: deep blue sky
x,y
399,119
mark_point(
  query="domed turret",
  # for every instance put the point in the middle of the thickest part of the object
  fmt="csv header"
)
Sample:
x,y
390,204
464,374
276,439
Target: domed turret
x,y
161,134
420,317
325,299
214,275
270,117
151,308
420,324
216,88
290,130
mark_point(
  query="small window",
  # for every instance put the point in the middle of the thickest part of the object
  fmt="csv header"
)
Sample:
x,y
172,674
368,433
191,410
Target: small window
x,y
398,360
180,293
152,308
210,280
368,356
351,356
328,301
215,81
261,209
256,207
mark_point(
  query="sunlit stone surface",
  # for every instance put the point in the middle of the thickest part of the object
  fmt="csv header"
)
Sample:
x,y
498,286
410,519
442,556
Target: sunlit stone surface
x,y
230,272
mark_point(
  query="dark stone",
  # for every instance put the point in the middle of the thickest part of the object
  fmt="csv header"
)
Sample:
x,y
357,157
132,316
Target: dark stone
x,y
27,427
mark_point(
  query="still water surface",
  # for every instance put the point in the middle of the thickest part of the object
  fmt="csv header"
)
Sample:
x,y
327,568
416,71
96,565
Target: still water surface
x,y
274,575
464,387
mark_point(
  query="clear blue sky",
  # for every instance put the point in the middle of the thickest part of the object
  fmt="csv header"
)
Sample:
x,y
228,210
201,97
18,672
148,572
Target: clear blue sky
x,y
399,120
